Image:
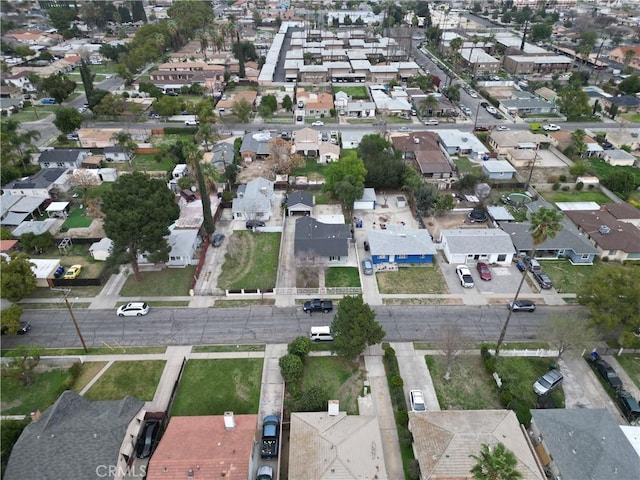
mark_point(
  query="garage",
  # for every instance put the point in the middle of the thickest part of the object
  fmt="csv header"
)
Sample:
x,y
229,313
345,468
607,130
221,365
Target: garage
x,y
299,203
368,200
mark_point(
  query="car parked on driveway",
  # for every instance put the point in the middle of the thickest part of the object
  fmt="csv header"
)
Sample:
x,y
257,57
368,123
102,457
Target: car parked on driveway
x,y
73,272
522,306
464,274
254,224
147,439
548,382
483,270
217,239
543,280
628,406
367,266
265,472
608,373
133,309
416,399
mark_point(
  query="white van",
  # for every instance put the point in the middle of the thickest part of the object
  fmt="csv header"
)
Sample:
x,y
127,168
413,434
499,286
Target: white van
x,y
321,334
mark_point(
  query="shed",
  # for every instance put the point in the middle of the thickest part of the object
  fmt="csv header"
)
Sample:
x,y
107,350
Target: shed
x,y
368,200
101,250
401,202
498,169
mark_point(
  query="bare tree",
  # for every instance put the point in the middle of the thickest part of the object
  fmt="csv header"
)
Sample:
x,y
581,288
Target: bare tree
x,y
566,333
451,341
283,159
84,179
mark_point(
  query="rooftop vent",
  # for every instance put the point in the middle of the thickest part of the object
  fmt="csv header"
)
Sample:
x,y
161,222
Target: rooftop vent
x,y
416,140
229,421
604,230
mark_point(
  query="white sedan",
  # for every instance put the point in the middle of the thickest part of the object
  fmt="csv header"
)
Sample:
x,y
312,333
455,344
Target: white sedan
x,y
133,309
416,399
317,123
552,127
191,122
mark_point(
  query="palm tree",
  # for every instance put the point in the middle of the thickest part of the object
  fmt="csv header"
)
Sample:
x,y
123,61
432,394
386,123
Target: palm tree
x,y
17,145
193,155
429,104
455,45
204,43
545,223
207,133
495,463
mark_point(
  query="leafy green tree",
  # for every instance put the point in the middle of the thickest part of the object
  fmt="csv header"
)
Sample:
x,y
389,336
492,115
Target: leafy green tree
x,y
347,191
385,167
574,102
300,346
495,463
68,119
621,182
137,11
568,332
58,87
355,328
541,32
452,92
425,198
167,106
87,78
578,169
10,319
242,110
16,144
97,96
630,85
138,211
5,234
151,89
287,103
348,165
577,137
312,399
545,223
37,243
612,296
268,105
16,277
291,368
61,17
470,180
444,203
588,39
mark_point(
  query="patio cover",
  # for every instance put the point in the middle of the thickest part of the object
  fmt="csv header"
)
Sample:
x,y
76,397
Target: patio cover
x,y
57,207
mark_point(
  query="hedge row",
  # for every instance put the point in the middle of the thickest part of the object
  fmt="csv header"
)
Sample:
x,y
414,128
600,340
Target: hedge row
x,y
180,130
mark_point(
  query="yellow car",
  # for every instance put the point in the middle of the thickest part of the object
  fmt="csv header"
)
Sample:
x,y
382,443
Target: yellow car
x,y
73,272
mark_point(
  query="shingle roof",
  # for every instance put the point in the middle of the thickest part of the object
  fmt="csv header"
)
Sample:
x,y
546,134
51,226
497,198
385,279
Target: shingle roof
x,y
396,240
63,155
43,179
621,235
568,238
622,211
587,443
72,438
321,239
300,198
477,240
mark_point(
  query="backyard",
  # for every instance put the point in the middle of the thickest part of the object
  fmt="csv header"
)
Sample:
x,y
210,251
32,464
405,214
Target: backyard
x,y
356,93
251,261
236,385
169,282
311,169
631,365
575,196
137,378
77,219
412,280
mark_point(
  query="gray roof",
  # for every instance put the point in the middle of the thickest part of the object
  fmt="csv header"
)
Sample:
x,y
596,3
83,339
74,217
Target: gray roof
x,y
115,149
42,179
500,213
72,438
369,195
477,240
222,154
64,155
498,166
28,204
568,238
13,219
321,239
397,240
257,142
587,443
528,103
257,195
619,155
300,198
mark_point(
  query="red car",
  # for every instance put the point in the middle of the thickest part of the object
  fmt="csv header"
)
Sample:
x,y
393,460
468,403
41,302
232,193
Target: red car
x,y
483,270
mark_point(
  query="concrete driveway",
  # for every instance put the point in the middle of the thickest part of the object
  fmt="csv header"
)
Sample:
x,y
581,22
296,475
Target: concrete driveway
x,y
415,374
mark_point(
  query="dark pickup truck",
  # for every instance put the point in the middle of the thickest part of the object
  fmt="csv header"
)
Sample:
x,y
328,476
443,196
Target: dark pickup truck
x,y
317,305
270,427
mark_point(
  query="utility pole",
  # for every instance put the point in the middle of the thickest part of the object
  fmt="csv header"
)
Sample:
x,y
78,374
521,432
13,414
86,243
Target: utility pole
x,y
65,292
596,66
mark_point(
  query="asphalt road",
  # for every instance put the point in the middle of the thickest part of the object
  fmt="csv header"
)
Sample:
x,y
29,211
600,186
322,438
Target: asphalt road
x,y
265,324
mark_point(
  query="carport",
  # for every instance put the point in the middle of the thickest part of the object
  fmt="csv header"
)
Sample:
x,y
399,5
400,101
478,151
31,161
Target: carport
x,y
58,209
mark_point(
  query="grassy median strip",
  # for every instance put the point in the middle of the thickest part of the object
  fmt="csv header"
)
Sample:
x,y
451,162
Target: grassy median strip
x,y
137,378
227,348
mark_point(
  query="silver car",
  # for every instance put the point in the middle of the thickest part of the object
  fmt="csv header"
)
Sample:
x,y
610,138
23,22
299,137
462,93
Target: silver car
x,y
548,382
367,266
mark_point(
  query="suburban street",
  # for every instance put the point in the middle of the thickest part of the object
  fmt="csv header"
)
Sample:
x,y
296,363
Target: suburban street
x,y
264,324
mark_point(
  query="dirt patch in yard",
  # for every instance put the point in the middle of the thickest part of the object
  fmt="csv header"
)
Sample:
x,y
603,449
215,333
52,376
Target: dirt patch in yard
x,y
255,169
307,277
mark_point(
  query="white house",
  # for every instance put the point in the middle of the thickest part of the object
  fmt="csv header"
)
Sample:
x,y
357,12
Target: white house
x,y
62,158
618,158
328,152
183,243
489,245
467,144
498,169
254,201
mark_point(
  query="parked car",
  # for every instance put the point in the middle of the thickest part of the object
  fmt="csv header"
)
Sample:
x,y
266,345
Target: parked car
x,y
147,439
22,329
416,399
366,246
217,239
484,104
552,127
491,109
483,270
367,266
608,373
133,309
270,431
254,224
431,121
543,280
628,406
73,272
73,136
317,123
532,264
265,472
464,274
502,128
548,382
191,122
522,306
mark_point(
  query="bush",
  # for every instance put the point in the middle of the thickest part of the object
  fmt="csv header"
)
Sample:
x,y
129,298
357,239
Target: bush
x,y
566,188
291,368
313,399
402,418
505,398
396,381
405,437
579,186
180,130
300,347
413,469
556,186
552,179
562,178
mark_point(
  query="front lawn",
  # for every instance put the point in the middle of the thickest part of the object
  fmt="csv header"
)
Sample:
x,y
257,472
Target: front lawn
x,y
77,219
136,378
568,278
575,196
416,280
251,261
170,282
631,365
149,161
356,93
341,379
342,277
212,387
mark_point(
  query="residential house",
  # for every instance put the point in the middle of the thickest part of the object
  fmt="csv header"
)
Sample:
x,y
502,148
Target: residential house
x,y
526,105
43,268
361,109
18,208
256,146
624,103
9,91
389,105
221,155
562,139
618,158
582,443
36,227
117,154
183,245
397,244
623,212
212,446
498,169
444,442
479,62
315,104
44,183
254,200
307,142
62,158
21,80
105,137
489,245
614,239
328,152
544,64
423,148
547,94
333,445
224,107
77,438
321,242
8,246
455,142
503,142
619,54
341,100
300,202
368,200
624,136
9,106
101,250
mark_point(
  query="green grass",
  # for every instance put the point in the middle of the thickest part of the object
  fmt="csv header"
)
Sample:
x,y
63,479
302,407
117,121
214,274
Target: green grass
x,y
322,198
602,169
20,400
416,280
311,169
631,117
212,387
342,379
77,219
88,371
75,292
575,196
170,282
98,191
357,93
465,165
29,115
53,305
568,278
342,277
469,388
147,161
178,303
631,365
138,379
251,261
103,351
228,348
243,303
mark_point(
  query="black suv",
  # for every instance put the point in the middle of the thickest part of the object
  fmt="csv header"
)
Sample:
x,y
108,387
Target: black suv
x,y
628,406
254,224
543,280
608,373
